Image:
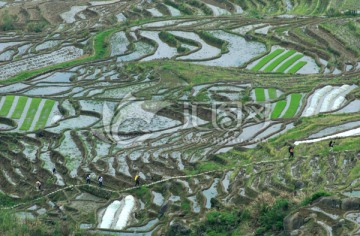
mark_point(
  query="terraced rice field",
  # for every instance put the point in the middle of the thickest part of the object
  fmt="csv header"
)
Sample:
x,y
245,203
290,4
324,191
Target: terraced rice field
x,y
202,99
31,114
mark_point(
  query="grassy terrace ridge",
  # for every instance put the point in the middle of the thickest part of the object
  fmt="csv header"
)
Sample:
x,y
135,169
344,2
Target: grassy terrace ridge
x,y
289,62
267,58
294,105
279,107
101,50
279,60
20,106
297,67
26,125
7,105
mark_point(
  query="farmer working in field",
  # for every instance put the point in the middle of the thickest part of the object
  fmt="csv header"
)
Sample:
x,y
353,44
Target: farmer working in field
x,y
38,184
331,145
291,152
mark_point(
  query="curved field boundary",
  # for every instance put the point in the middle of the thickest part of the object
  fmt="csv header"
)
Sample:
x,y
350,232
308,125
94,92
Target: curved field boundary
x,y
267,58
146,185
111,190
100,51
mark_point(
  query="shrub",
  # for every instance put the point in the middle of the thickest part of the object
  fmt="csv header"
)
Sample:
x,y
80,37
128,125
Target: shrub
x,y
36,27
314,197
271,218
7,21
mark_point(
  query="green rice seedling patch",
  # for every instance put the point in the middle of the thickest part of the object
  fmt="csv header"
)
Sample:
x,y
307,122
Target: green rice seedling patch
x,y
267,58
297,67
280,59
294,105
7,105
289,62
272,93
260,94
19,109
279,107
30,114
44,115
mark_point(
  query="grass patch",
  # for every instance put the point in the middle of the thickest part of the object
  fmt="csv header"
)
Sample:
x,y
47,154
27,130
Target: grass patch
x,y
267,58
20,106
279,107
272,93
289,62
297,67
7,105
294,105
276,62
260,94
44,115
34,105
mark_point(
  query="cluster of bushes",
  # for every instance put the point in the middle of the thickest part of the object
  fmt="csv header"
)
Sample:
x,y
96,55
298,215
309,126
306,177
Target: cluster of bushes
x,y
172,41
7,21
181,7
210,39
314,197
11,226
218,222
36,27
271,217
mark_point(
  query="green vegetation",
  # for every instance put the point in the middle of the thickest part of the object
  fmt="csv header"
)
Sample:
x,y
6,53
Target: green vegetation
x,y
101,50
34,105
181,7
314,197
279,107
271,217
7,105
272,93
6,201
44,115
20,106
171,41
210,39
201,5
218,223
267,58
294,105
10,225
36,27
278,60
7,21
260,94
289,62
297,67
